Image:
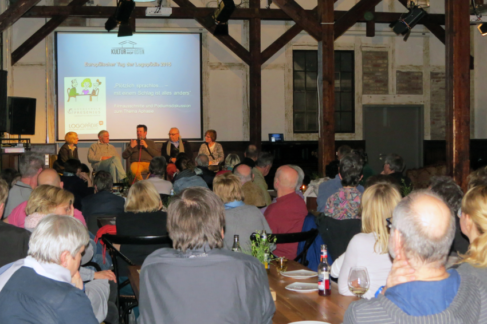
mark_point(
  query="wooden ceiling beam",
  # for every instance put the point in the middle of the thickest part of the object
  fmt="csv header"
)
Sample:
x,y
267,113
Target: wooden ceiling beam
x,y
42,33
227,40
14,12
192,13
353,15
301,17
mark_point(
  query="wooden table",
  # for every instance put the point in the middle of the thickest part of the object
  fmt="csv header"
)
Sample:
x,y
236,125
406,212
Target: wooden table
x,y
291,306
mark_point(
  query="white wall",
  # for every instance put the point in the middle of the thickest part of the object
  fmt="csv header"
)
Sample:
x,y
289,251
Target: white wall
x,y
225,76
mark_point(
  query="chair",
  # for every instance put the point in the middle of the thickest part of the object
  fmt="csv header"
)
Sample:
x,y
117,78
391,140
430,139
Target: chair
x,y
92,221
69,96
337,233
314,251
126,302
308,237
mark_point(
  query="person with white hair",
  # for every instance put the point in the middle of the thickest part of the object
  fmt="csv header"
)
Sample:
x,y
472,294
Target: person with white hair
x,y
422,231
46,286
103,156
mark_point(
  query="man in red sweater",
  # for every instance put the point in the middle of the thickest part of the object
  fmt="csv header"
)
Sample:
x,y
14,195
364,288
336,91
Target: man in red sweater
x,y
287,214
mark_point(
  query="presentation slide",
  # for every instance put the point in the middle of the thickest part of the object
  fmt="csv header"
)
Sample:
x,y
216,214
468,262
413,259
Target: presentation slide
x,y
105,82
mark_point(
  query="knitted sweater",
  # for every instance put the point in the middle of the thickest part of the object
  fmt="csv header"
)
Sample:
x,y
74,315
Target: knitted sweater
x,y
468,306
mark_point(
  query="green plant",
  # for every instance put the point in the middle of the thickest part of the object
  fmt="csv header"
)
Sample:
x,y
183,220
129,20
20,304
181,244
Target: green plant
x,y
406,190
260,247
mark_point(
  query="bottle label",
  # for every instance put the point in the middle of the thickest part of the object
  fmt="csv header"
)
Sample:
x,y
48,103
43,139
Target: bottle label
x,y
324,281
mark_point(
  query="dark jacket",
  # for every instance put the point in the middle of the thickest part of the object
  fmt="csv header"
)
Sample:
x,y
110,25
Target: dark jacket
x,y
31,298
101,203
78,188
175,151
249,162
14,242
146,154
207,175
65,154
140,224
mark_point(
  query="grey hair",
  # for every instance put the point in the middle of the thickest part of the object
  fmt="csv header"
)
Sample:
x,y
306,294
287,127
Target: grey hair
x,y
395,161
417,242
232,160
55,234
243,178
264,159
202,160
30,163
300,175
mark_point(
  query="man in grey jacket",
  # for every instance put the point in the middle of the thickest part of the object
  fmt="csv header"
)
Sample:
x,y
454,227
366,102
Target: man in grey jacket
x,y
422,232
198,281
104,157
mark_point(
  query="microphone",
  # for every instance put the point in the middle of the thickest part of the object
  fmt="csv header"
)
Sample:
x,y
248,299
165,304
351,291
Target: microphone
x,y
138,142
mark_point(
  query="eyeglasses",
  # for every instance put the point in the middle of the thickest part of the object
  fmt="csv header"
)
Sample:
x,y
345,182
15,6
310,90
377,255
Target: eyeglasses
x,y
389,223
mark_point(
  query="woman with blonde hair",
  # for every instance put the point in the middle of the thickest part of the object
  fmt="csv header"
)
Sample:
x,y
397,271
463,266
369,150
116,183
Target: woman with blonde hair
x,y
46,200
240,219
370,248
143,216
473,222
68,151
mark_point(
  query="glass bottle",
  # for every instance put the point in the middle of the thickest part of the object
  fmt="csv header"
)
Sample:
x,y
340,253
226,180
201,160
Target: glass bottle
x,y
324,288
236,244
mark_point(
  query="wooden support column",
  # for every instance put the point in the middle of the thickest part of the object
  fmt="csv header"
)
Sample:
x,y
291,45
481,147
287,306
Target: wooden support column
x,y
14,12
458,90
353,15
39,35
370,26
326,142
255,82
300,16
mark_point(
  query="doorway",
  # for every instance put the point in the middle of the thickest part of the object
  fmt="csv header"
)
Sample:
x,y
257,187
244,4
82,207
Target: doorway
x,y
394,129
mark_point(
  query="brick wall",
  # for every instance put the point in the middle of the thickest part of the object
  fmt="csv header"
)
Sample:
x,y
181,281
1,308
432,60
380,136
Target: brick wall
x,y
375,67
437,106
409,83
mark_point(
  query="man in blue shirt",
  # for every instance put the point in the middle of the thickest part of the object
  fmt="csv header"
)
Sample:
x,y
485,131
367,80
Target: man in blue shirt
x,y
422,232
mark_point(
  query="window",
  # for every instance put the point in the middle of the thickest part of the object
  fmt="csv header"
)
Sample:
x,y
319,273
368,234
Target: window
x,y
305,96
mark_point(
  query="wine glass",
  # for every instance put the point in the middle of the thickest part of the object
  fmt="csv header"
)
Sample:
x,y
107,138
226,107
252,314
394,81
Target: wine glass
x,y
358,281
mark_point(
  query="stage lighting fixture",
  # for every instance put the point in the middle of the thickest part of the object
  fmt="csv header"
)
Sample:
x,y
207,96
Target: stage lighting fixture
x,y
221,15
482,29
404,25
125,29
121,16
111,23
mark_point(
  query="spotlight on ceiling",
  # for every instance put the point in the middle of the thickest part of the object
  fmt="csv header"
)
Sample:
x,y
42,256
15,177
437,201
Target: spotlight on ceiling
x,y
407,21
221,15
121,16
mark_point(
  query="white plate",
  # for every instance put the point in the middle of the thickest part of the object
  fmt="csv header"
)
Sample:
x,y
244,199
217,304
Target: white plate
x,y
303,287
309,322
300,274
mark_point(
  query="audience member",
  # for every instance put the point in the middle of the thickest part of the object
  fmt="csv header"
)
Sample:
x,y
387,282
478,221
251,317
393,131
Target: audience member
x,y
251,155
172,148
103,156
240,219
369,248
13,240
330,187
212,149
394,167
46,287
345,203
186,177
46,200
477,178
452,194
287,214
11,176
140,152
473,223
103,201
46,177
30,165
217,285
231,161
251,192
300,178
367,169
423,228
68,151
260,171
332,168
202,171
157,170
76,182
143,217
